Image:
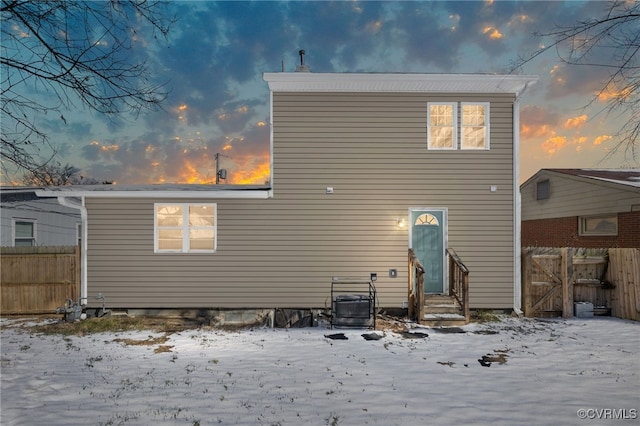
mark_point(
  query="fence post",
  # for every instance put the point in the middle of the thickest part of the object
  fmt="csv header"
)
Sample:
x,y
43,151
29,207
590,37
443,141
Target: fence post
x,y
566,275
527,256
78,274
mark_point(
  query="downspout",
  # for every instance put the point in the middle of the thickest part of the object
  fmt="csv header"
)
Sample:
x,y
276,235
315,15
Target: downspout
x,y
517,215
517,205
65,201
271,183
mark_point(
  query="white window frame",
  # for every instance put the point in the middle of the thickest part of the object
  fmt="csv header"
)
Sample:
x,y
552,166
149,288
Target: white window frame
x,y
486,126
454,108
582,226
185,228
34,225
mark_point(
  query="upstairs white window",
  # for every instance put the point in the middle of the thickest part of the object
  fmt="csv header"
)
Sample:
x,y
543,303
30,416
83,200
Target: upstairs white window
x,y
475,126
185,228
441,125
24,233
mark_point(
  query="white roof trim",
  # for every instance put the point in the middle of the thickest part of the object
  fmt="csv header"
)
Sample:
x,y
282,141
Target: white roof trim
x,y
632,183
372,82
191,195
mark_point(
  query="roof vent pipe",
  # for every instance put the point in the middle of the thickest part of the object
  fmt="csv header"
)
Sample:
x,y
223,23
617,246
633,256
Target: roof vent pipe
x,y
302,67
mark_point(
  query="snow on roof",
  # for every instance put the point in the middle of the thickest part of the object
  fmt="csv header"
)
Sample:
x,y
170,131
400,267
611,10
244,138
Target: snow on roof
x,y
398,82
16,189
158,190
627,177
156,187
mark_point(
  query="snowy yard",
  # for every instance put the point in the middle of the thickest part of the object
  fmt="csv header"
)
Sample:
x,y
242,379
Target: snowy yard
x,y
552,372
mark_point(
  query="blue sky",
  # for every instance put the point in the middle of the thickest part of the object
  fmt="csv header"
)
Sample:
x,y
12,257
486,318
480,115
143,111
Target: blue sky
x,y
217,51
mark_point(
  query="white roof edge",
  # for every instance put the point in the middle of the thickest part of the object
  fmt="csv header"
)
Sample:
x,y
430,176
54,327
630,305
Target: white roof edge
x,y
632,184
251,194
389,82
620,184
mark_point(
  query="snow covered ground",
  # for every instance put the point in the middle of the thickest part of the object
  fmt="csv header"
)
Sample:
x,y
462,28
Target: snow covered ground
x,y
552,372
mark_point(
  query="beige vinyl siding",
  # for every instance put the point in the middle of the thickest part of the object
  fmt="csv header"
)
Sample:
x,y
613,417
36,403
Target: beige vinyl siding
x,y
266,257
575,196
282,252
371,148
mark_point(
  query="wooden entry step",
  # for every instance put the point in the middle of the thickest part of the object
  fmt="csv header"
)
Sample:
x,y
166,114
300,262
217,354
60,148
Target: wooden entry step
x,y
442,311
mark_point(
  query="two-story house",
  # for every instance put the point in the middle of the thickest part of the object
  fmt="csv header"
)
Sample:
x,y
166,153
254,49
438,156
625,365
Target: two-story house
x,y
363,167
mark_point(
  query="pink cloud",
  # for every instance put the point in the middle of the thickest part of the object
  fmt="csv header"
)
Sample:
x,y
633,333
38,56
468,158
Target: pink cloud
x,y
575,122
601,139
553,144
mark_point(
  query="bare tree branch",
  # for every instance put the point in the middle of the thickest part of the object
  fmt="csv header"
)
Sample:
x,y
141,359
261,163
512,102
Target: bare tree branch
x,y
55,174
617,33
59,53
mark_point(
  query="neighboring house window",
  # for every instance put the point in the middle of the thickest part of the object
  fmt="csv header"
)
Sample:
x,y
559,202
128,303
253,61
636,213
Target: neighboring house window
x,y
185,228
79,234
441,125
543,190
599,225
475,126
24,232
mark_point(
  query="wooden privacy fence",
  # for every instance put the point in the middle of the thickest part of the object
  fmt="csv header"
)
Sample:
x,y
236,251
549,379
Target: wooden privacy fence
x,y
37,280
624,273
553,279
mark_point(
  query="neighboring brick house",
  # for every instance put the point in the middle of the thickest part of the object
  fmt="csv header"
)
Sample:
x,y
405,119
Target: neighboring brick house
x,y
595,208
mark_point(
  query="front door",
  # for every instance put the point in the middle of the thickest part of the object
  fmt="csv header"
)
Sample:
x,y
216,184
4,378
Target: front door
x,y
427,239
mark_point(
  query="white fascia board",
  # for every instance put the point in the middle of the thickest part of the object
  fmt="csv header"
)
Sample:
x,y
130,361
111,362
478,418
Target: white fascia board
x,y
372,82
191,195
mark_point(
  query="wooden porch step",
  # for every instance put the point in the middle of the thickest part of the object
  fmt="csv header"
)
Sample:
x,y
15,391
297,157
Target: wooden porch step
x,y
450,308
443,320
437,298
442,310
441,304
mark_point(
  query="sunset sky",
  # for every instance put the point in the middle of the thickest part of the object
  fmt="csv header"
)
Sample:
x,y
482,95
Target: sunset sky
x,y
217,51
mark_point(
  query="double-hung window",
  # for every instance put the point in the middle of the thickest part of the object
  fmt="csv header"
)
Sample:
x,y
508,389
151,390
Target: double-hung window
x,y
185,228
443,126
24,233
475,126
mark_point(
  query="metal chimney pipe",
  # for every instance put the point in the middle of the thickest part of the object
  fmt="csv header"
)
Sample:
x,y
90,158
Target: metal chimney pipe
x,y
302,67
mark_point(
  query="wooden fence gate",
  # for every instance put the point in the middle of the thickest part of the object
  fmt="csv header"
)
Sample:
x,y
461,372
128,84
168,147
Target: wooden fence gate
x,y
554,278
36,280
